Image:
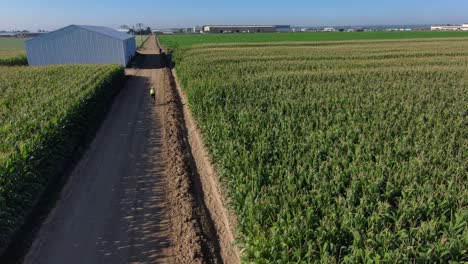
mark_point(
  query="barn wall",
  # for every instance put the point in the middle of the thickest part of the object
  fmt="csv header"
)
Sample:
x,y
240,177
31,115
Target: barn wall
x,y
75,45
130,49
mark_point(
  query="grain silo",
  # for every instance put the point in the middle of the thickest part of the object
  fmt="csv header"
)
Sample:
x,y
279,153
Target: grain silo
x,y
77,44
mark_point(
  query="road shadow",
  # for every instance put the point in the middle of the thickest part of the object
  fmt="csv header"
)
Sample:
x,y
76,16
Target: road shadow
x,y
147,61
144,231
169,62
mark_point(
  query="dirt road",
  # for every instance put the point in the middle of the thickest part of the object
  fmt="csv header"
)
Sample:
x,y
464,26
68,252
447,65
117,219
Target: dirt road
x,y
123,202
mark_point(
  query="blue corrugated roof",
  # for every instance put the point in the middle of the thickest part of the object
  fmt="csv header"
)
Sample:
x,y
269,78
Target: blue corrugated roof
x,y
101,30
107,31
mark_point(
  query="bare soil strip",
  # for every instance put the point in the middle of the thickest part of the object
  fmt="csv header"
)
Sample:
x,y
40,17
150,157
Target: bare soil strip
x,y
186,230
208,188
187,181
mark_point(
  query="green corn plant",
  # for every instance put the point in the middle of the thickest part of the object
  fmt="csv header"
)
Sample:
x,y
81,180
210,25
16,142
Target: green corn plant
x,y
45,114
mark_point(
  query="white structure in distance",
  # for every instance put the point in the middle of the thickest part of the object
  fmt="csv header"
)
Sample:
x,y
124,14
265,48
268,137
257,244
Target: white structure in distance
x,y
463,27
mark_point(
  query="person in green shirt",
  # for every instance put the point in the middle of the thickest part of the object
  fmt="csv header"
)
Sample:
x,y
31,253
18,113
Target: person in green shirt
x,y
153,94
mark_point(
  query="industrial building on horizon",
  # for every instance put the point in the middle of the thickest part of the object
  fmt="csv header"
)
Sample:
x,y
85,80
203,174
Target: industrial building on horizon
x,y
463,27
245,28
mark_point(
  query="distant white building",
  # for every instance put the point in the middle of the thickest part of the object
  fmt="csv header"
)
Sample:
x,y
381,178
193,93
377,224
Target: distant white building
x,y
123,30
463,27
329,29
7,34
245,28
197,29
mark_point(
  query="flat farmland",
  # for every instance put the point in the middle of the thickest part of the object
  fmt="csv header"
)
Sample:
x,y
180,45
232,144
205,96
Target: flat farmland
x,y
337,151
186,40
11,46
12,51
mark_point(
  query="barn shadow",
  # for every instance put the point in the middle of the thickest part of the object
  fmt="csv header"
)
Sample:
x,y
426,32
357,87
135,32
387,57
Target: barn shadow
x,y
148,61
168,60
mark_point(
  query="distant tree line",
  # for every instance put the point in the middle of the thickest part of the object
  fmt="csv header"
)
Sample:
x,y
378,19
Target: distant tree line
x,y
136,30
146,31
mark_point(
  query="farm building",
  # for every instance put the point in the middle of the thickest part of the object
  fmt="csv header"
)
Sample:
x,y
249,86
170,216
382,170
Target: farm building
x,y
246,29
81,45
463,27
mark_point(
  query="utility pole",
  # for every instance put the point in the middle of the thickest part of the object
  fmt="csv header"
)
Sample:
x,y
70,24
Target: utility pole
x,y
141,37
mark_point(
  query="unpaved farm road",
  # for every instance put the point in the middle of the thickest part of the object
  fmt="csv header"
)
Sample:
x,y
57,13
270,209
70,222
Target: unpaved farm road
x,y
114,208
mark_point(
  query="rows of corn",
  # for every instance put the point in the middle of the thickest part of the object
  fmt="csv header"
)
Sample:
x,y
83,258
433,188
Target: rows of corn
x,y
46,113
12,57
12,52
13,60
349,152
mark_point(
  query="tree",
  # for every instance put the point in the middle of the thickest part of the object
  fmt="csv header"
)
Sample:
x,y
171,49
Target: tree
x,y
139,26
148,31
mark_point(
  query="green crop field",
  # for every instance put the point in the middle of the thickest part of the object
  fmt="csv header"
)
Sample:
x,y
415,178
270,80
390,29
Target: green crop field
x,y
191,39
12,51
331,152
11,46
46,113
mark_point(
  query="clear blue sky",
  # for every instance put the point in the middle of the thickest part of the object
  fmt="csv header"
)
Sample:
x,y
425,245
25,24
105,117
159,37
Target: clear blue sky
x,y
52,14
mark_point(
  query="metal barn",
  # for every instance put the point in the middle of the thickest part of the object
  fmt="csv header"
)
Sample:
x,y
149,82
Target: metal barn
x,y
77,44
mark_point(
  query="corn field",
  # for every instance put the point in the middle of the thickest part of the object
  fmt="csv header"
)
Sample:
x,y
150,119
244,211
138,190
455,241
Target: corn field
x,y
351,152
13,60
46,114
12,52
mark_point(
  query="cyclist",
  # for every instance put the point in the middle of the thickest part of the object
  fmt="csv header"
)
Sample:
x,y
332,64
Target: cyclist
x,y
153,94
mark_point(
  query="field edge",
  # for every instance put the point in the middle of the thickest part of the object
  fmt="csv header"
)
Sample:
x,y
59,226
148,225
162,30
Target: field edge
x,y
218,204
